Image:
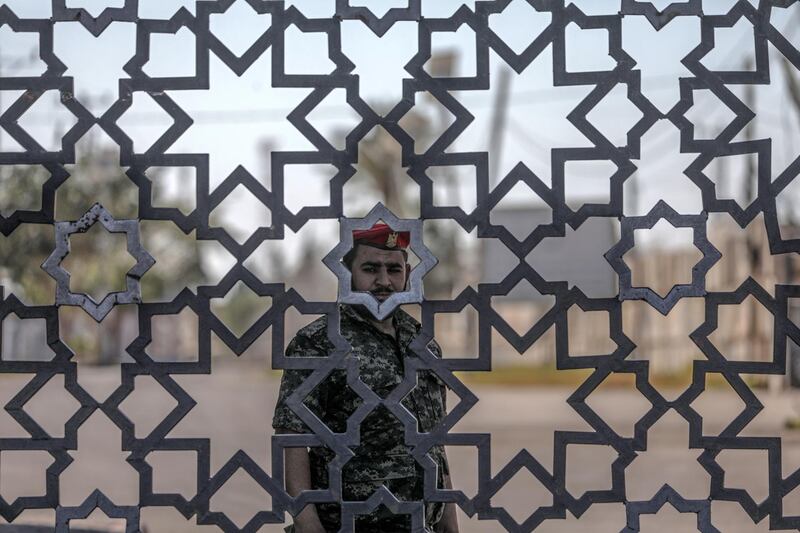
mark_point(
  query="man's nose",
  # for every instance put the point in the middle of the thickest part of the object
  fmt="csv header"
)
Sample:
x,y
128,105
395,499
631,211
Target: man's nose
x,y
383,277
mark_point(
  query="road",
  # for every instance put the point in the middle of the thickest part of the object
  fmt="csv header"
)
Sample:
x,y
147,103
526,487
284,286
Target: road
x,y
234,409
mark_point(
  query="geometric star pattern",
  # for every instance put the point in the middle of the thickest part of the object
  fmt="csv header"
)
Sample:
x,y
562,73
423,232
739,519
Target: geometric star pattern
x,y
697,286
52,264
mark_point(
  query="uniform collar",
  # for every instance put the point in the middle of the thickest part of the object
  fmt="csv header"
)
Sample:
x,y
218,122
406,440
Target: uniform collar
x,y
404,323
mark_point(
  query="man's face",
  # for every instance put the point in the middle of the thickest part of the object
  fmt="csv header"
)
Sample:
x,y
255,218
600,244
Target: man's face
x,y
379,272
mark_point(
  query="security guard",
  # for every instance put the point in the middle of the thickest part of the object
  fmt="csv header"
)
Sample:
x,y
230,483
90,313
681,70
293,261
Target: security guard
x,y
378,263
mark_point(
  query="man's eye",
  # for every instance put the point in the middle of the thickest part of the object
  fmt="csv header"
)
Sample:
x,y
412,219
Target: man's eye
x,y
368,269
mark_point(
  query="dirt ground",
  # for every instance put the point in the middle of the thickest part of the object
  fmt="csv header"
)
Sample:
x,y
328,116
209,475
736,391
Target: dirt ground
x,y
234,410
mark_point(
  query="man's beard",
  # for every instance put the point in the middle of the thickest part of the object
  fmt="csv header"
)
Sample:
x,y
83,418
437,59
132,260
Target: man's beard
x,y
365,312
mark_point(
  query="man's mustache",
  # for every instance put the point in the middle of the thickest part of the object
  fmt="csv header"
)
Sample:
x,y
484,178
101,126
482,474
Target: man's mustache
x,y
381,292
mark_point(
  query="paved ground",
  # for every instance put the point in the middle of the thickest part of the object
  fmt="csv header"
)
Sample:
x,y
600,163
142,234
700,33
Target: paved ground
x,y
234,408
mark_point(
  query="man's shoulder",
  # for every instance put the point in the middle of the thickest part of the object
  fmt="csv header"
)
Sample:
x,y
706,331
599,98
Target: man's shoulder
x,y
311,339
317,328
317,331
406,320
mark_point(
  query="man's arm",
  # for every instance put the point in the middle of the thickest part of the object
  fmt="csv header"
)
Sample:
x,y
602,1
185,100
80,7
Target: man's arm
x,y
449,521
285,421
298,479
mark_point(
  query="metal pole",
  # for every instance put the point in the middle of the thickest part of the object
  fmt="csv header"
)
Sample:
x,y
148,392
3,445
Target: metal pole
x,y
499,114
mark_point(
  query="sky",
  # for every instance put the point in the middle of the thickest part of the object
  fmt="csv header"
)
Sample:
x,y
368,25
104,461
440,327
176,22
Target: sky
x,y
241,117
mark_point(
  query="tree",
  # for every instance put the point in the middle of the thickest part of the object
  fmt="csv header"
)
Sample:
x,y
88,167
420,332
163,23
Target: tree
x,y
96,176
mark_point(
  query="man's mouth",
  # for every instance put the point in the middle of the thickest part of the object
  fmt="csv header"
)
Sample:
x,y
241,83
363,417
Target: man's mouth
x,y
381,295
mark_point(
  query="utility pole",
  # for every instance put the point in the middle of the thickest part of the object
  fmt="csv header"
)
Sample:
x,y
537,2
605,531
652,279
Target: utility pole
x,y
793,91
753,258
722,178
442,65
496,134
750,177
633,194
498,126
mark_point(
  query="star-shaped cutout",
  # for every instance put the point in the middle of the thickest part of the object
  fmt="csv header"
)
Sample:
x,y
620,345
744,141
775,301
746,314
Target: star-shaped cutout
x,y
698,285
334,262
52,265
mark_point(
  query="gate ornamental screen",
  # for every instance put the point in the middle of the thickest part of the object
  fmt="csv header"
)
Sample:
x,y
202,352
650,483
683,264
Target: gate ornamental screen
x,y
733,88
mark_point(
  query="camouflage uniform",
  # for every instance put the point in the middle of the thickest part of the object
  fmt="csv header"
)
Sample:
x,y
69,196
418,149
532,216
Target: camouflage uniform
x,y
382,457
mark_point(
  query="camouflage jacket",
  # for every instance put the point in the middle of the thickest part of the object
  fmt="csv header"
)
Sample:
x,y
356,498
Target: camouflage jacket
x,y
382,457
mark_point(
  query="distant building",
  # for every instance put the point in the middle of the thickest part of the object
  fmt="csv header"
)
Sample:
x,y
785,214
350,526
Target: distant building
x,y
745,331
577,257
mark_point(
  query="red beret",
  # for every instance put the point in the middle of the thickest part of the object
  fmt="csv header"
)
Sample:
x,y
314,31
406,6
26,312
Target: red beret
x,y
382,236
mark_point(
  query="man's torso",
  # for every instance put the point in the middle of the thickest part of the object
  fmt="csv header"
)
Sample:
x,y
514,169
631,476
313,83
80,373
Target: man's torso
x,y
382,458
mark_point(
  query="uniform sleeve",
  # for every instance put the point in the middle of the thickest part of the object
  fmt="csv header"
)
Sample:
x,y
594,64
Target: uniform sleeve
x,y
438,392
284,418
434,347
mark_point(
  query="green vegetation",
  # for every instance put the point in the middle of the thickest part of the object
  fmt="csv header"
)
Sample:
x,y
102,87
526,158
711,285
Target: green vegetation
x,y
98,260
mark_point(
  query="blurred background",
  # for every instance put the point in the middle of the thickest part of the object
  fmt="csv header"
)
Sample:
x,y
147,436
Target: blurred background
x,y
242,121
